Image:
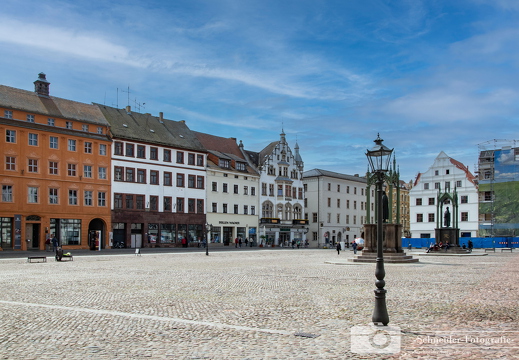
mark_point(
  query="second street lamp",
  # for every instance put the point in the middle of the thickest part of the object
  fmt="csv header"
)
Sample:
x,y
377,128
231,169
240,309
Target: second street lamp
x,y
208,228
379,158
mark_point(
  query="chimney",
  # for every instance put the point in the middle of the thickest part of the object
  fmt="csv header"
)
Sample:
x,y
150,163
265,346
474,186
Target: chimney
x,y
161,117
41,86
128,109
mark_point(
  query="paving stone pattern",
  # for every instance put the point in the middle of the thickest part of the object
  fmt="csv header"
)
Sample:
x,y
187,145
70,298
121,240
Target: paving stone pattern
x,y
251,305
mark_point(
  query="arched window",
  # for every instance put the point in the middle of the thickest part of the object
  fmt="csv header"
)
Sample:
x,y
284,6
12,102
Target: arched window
x,y
266,210
288,212
280,211
298,212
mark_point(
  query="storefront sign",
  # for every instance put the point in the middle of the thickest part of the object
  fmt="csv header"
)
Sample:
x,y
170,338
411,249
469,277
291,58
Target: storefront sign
x,y
229,222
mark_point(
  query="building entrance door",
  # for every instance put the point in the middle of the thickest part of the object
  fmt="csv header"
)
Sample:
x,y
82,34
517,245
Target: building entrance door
x,y
136,240
284,239
32,236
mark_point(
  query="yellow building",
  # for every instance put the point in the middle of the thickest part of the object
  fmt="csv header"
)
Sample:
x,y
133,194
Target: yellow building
x,y
55,176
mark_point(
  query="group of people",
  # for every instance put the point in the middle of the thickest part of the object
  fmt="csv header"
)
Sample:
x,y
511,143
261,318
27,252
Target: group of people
x,y
356,244
52,241
238,241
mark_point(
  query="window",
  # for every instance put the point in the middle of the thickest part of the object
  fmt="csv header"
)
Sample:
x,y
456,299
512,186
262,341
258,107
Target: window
x,y
33,165
141,176
118,173
87,171
102,149
71,169
200,206
154,153
426,186
33,139
245,190
10,163
88,198
72,197
130,175
8,114
191,159
33,195
418,201
347,189
224,163
245,210
128,201
199,182
200,160
53,142
139,202
88,147
240,166
30,118
347,204
141,152
154,203
329,200
154,177
236,189
191,181
338,203
167,155
253,210
355,205
431,217
168,178
102,172
180,157
224,208
180,180
431,201
447,171
118,148
214,186
53,167
436,172
214,207
225,188
99,130
71,145
10,136
419,217
118,201
236,209
7,193
101,198
129,149
464,216
167,203
53,196
464,199
447,185
180,205
190,205
84,128
436,185
458,183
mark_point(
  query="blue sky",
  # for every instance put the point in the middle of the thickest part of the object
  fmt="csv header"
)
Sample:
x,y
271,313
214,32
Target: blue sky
x,y
429,76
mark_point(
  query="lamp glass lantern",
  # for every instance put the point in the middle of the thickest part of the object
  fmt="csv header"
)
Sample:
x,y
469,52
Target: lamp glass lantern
x,y
379,156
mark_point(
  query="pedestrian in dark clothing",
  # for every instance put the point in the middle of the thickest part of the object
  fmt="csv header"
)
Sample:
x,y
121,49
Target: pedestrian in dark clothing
x,y
55,242
354,246
339,248
471,245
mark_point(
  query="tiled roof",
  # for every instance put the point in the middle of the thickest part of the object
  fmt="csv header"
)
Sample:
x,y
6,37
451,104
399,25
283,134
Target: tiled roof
x,y
320,172
220,144
462,167
135,126
51,106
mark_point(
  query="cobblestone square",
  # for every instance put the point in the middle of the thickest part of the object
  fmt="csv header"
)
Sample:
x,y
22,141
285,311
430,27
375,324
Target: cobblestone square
x,y
256,304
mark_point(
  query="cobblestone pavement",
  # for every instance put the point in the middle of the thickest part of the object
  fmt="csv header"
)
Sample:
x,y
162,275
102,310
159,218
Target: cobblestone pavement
x,y
264,304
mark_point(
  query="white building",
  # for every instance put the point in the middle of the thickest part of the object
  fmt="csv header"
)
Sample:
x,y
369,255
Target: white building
x,y
446,175
158,180
281,193
232,191
335,206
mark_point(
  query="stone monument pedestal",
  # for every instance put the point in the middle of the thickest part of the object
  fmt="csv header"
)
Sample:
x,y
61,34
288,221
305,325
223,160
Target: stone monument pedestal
x,y
452,237
392,245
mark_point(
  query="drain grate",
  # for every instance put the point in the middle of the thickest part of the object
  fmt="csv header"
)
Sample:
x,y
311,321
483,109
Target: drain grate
x,y
307,335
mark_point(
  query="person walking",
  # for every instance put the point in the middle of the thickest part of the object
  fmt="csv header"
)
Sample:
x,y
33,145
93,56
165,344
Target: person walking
x,y
354,246
338,248
55,242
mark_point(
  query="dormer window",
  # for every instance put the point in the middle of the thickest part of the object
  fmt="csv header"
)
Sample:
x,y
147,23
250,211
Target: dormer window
x,y
240,166
225,163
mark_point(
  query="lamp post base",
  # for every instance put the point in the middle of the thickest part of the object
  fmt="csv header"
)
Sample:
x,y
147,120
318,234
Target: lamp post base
x,y
380,315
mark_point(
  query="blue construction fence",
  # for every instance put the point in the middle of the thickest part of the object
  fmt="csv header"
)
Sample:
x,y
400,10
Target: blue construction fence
x,y
478,242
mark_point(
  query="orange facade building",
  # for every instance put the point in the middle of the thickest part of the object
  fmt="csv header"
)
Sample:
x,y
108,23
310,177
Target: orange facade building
x,y
55,173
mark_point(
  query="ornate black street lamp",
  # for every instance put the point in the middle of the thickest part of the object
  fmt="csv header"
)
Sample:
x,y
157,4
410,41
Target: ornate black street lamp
x,y
208,228
379,158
